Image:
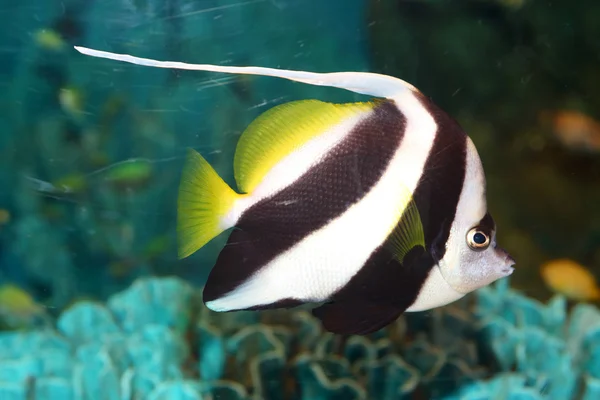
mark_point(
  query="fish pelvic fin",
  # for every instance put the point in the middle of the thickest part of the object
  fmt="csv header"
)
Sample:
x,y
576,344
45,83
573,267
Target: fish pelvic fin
x,y
204,200
356,317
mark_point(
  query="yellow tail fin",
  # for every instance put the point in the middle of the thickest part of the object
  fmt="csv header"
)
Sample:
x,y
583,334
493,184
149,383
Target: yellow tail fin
x,y
204,198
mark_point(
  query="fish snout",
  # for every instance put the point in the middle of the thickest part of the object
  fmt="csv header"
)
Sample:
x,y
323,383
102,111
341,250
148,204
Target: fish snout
x,y
507,260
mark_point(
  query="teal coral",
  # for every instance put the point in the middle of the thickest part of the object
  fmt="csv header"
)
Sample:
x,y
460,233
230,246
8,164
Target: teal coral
x,y
156,341
553,353
93,357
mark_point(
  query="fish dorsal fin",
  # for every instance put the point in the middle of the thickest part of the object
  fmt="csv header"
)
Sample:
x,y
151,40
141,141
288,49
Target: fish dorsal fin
x,y
408,234
368,83
283,129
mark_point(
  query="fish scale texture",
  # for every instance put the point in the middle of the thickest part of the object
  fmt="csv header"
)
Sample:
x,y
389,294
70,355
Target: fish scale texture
x,y
151,341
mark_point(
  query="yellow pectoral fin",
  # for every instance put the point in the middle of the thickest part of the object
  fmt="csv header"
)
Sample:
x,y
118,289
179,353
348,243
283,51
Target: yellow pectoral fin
x,y
408,233
279,131
204,199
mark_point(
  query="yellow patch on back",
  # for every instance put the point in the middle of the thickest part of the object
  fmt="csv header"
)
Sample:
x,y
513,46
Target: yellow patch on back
x,y
280,131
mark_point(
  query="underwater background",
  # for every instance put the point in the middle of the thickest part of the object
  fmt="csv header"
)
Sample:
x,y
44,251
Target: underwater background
x,y
93,301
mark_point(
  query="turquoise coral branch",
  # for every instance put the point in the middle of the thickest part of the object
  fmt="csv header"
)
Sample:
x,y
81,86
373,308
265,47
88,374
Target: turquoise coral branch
x,y
136,347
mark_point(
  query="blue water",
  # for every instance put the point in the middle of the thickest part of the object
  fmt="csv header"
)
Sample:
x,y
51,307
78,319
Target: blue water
x,y
70,230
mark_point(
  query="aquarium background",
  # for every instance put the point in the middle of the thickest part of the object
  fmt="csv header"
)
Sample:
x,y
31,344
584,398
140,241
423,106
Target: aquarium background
x,y
93,301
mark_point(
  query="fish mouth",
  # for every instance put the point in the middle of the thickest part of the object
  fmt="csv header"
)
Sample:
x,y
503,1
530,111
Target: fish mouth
x,y
508,271
508,261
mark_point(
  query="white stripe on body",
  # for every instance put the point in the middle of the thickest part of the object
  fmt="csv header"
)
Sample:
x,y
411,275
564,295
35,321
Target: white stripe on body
x,y
326,260
435,292
471,208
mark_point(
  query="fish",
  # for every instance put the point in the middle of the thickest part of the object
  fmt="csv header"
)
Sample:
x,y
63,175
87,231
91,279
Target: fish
x,y
71,101
17,307
574,130
363,210
571,279
16,299
49,39
4,216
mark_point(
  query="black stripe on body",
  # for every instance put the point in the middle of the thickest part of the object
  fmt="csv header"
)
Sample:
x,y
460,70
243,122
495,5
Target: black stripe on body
x,y
487,224
384,283
342,178
377,294
441,184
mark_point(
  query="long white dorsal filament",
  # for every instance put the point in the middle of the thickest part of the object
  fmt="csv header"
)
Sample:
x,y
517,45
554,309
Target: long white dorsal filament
x,y
359,82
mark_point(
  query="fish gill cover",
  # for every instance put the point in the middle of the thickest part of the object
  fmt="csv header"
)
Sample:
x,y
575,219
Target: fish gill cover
x,y
91,152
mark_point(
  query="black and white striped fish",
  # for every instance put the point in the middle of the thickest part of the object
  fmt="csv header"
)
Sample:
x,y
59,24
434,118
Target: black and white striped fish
x,y
372,209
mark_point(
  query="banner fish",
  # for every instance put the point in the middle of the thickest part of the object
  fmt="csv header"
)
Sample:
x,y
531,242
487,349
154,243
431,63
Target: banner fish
x,y
370,208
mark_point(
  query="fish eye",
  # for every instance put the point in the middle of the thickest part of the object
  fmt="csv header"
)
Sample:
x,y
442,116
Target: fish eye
x,y
477,239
